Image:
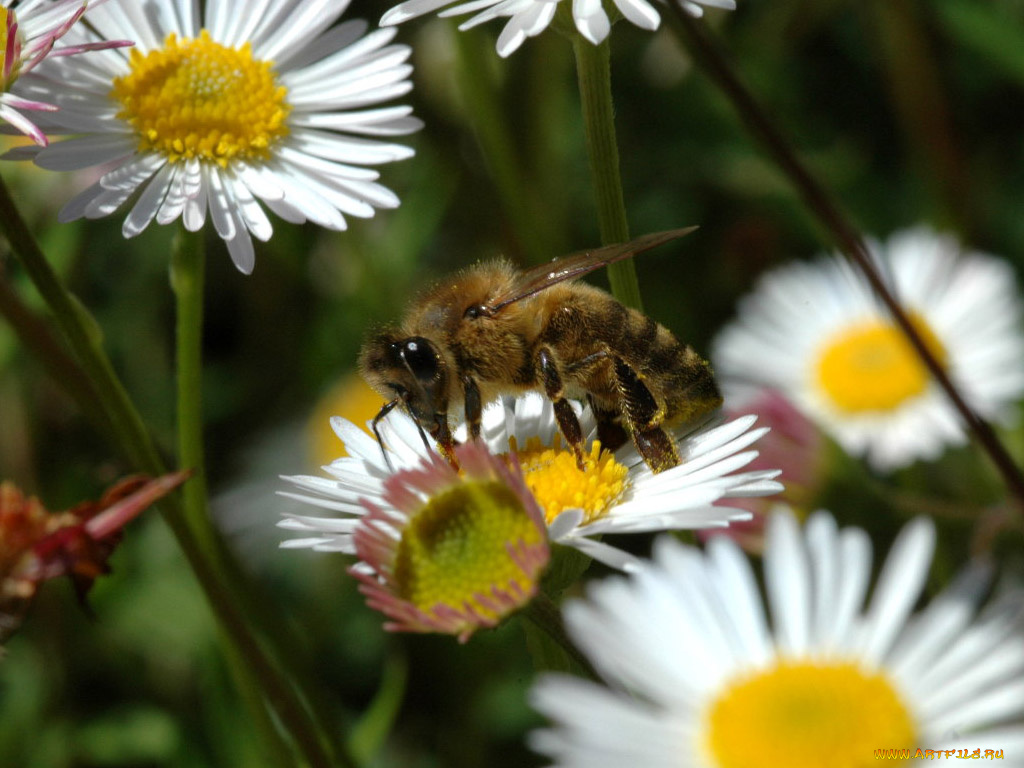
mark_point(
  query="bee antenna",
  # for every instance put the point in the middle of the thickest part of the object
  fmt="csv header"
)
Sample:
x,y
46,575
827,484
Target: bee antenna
x,y
423,437
415,379
384,411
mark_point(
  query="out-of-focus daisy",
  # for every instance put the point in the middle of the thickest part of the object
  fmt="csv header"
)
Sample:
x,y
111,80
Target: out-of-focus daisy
x,y
616,493
528,18
449,553
699,678
29,30
796,448
255,103
36,546
816,333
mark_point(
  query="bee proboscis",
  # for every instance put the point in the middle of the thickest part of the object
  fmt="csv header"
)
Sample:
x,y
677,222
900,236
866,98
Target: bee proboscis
x,y
494,330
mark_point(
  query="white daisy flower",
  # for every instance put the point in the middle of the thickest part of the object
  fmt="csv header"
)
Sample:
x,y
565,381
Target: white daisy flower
x,y
29,30
616,493
528,18
451,552
817,333
260,101
699,678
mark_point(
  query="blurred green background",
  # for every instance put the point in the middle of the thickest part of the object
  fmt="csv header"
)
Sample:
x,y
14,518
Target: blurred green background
x,y
908,110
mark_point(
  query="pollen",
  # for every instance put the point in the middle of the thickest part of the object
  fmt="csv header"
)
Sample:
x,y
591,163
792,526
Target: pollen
x,y
459,550
872,368
196,98
559,484
806,715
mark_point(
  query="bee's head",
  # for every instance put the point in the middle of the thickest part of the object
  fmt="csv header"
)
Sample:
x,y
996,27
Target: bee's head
x,y
411,369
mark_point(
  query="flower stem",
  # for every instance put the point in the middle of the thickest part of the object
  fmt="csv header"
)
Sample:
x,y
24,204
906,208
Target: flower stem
x,y
84,337
188,257
274,749
219,576
188,260
706,51
594,76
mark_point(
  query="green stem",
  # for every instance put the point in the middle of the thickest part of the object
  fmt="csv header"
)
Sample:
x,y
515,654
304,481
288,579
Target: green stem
x,y
706,52
220,578
275,687
273,749
594,75
83,336
188,257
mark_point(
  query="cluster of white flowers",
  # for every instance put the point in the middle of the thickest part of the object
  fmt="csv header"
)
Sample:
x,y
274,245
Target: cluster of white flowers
x,y
223,115
228,113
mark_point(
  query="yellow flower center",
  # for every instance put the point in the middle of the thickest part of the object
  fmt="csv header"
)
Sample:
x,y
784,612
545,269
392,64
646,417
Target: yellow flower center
x,y
871,367
196,98
455,550
806,715
558,484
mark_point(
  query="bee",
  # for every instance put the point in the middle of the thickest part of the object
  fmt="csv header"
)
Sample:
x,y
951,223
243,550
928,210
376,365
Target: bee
x,y
494,330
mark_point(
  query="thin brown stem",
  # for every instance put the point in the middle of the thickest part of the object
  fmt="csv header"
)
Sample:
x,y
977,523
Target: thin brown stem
x,y
707,53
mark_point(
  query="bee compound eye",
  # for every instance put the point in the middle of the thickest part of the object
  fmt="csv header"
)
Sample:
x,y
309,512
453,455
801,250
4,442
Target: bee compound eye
x,y
419,355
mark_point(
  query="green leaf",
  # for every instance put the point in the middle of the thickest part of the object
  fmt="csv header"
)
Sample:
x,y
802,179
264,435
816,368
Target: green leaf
x,y
373,728
547,655
988,32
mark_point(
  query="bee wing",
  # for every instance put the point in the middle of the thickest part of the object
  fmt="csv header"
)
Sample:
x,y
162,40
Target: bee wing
x,y
577,264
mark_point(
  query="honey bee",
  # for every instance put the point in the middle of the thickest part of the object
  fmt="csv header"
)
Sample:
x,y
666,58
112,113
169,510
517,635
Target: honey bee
x,y
494,330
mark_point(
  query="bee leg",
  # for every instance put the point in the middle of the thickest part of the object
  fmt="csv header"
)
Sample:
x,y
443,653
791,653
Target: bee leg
x,y
568,424
610,431
474,409
384,411
644,416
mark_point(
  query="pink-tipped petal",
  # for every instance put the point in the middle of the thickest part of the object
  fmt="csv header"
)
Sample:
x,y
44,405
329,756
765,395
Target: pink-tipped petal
x,y
114,518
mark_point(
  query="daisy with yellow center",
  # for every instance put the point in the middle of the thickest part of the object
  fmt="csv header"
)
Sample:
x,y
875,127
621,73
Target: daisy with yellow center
x,y
451,552
254,105
528,18
699,678
29,32
816,333
614,493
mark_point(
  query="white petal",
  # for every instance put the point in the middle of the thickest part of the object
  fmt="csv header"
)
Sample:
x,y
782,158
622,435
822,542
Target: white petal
x,y
240,248
899,585
787,579
591,20
194,215
639,12
85,152
148,204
